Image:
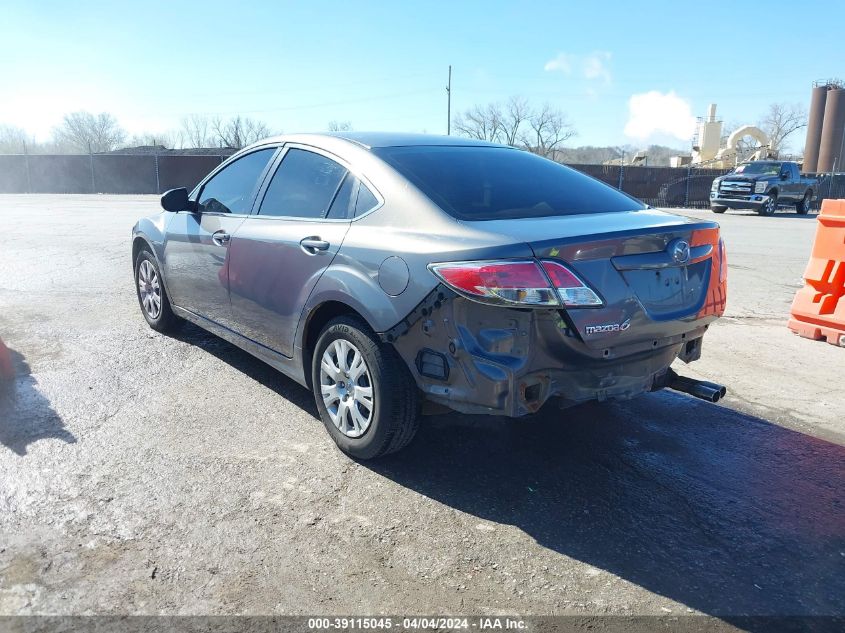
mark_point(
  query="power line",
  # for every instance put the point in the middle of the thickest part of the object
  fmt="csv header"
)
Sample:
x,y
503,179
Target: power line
x,y
397,95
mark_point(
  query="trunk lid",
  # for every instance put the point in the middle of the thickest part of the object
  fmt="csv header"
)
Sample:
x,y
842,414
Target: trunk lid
x,y
659,274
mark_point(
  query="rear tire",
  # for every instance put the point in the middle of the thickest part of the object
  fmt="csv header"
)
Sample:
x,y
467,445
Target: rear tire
x,y
152,296
367,398
803,206
718,209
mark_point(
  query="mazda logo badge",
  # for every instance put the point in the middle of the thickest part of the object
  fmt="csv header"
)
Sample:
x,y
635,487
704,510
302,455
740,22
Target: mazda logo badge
x,y
679,250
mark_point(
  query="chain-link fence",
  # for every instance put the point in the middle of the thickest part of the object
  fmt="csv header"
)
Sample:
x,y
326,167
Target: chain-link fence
x,y
831,186
156,173
659,186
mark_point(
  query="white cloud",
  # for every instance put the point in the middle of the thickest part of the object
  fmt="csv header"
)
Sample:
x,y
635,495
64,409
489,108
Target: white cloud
x,y
563,63
654,113
593,66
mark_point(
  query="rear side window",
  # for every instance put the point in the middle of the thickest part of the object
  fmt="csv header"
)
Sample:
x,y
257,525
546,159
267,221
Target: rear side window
x,y
344,202
492,183
366,200
353,198
303,186
231,190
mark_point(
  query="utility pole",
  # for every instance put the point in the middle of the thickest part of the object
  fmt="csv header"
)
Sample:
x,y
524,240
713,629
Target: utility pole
x,y
93,179
26,165
449,103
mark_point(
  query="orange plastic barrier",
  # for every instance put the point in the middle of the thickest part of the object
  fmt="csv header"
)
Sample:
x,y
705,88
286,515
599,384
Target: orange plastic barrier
x,y
818,310
7,370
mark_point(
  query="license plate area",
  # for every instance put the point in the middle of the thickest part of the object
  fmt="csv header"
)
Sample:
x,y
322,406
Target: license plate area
x,y
671,292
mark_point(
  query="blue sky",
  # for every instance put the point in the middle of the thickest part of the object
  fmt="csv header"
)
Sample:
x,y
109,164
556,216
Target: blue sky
x,y
624,72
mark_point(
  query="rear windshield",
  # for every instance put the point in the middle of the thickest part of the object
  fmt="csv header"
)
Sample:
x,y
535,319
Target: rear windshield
x,y
493,183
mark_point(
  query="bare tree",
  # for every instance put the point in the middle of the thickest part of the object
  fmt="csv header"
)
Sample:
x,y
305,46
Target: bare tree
x,y
479,122
340,126
173,139
516,123
86,132
781,120
239,131
14,140
511,119
196,130
548,130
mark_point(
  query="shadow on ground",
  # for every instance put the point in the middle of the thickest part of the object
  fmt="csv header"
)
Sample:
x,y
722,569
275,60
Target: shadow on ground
x,y
26,416
247,364
792,215
781,214
724,512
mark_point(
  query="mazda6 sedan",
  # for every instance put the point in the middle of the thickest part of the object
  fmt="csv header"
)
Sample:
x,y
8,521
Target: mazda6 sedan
x,y
391,274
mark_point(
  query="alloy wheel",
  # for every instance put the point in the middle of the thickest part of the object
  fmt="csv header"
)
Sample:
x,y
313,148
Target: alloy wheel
x,y
771,205
347,388
149,289
805,202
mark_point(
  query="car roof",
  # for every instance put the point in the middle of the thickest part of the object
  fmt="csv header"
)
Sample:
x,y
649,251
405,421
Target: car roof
x,y
370,140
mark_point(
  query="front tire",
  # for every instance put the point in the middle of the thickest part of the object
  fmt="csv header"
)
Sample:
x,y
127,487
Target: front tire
x,y
366,396
770,205
152,296
718,209
804,205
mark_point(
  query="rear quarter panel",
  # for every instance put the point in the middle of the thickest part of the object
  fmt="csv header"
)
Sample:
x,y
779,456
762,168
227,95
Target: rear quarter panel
x,y
356,277
410,227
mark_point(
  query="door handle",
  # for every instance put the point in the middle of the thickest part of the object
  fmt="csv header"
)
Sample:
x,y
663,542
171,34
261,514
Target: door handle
x,y
221,238
313,244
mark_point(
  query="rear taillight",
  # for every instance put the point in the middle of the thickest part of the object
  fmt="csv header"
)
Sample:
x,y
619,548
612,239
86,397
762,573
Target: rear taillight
x,y
526,283
498,282
571,290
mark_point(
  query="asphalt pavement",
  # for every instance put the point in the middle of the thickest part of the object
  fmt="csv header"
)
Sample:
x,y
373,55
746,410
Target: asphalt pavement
x,y
147,474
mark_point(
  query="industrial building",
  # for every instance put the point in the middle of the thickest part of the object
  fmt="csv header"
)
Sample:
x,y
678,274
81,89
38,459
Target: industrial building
x,y
823,150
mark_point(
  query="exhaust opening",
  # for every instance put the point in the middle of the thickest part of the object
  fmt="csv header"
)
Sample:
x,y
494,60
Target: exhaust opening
x,y
703,389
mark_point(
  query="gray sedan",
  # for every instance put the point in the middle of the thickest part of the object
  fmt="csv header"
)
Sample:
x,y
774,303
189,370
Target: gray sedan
x,y
395,274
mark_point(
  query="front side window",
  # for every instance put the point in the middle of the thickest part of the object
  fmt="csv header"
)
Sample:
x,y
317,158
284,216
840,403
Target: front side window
x,y
493,183
304,186
231,190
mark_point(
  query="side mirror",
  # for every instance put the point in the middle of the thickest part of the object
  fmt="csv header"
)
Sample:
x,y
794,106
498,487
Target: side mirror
x,y
176,200
784,176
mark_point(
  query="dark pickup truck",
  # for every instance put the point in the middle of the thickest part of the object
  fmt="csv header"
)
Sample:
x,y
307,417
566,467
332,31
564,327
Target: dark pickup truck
x,y
763,185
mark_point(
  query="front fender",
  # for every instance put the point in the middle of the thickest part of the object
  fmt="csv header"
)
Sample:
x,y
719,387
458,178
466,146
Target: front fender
x,y
152,231
770,184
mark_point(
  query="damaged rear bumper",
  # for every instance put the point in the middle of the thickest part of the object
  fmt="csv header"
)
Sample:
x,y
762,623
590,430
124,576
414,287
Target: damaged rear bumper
x,y
475,358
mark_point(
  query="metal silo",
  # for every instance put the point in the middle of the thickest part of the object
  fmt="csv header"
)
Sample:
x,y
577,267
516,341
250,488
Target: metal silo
x,y
814,127
833,132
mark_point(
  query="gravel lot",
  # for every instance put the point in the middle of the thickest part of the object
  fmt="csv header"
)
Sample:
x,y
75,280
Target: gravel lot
x,y
143,474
